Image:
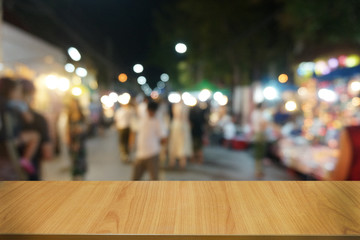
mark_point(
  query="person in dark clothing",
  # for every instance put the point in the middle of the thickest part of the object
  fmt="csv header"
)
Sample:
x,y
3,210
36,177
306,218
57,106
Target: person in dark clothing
x,y
76,138
198,122
40,126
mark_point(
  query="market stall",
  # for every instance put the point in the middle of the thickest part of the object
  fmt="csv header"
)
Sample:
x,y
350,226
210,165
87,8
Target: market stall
x,y
329,98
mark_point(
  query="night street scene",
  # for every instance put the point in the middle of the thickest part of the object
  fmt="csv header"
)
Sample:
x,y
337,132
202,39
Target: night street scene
x,y
127,90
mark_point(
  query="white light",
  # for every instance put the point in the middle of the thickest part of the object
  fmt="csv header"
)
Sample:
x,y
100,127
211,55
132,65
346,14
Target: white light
x,y
180,48
270,93
74,54
51,82
141,80
138,68
69,67
188,99
185,95
303,91
124,98
76,91
174,97
81,72
63,84
107,101
290,106
204,95
327,95
104,99
1,66
161,85
164,77
114,97
223,100
355,86
218,96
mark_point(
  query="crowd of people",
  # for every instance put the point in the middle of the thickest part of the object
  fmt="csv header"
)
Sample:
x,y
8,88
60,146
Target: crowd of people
x,y
154,134
25,139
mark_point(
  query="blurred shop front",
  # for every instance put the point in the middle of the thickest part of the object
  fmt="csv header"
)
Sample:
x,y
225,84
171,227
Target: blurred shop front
x,y
29,57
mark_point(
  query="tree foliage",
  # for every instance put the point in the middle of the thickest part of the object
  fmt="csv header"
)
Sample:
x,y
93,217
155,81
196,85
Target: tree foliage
x,y
236,42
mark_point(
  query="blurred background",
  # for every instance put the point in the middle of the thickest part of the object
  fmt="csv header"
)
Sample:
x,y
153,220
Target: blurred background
x,y
246,90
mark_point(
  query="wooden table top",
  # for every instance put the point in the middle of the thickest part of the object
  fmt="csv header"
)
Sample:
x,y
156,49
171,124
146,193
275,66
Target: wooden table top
x,y
204,209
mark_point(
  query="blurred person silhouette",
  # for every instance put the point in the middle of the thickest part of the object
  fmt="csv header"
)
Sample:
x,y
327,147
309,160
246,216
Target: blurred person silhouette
x,y
40,126
14,166
150,136
198,125
142,108
348,164
123,117
76,137
180,142
163,115
95,110
259,125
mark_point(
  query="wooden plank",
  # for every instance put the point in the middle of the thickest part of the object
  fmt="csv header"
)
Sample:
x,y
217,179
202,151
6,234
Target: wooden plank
x,y
170,237
165,210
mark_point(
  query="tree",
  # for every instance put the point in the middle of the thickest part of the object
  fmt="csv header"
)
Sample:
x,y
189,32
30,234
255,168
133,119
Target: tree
x,y
229,41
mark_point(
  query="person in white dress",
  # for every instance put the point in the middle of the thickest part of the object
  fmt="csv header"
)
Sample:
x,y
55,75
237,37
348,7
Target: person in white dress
x,y
180,142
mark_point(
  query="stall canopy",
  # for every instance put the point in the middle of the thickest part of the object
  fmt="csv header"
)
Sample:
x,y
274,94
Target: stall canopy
x,y
339,73
206,84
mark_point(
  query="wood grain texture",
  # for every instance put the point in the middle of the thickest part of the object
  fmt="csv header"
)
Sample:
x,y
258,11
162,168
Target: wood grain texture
x,y
180,208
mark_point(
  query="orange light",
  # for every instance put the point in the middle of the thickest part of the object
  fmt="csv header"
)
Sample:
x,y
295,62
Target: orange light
x,y
283,78
122,77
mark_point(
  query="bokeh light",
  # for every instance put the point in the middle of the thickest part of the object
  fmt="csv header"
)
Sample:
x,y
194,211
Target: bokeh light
x,y
174,97
122,77
114,97
204,95
355,86
223,100
69,67
81,72
270,93
63,84
124,98
217,96
283,78
138,68
51,82
327,95
141,80
161,85
355,101
342,60
290,106
333,63
164,77
74,54
188,99
181,48
93,84
303,91
76,91
352,61
154,95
